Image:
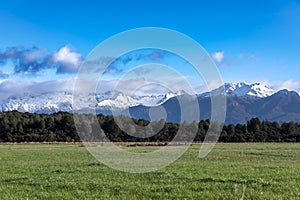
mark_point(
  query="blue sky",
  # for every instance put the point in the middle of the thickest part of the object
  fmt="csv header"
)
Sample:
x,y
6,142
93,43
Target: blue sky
x,y
252,41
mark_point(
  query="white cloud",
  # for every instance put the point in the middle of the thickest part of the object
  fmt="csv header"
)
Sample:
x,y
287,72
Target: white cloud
x,y
33,55
137,86
34,61
66,55
219,56
289,85
68,59
17,88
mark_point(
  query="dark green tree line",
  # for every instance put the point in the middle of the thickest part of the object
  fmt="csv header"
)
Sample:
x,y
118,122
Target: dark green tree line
x,y
59,127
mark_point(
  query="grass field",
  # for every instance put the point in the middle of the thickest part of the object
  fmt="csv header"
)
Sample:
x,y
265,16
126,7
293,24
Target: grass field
x,y
230,171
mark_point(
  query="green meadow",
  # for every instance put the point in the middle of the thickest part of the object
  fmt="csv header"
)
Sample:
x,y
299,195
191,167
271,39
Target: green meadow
x,y
230,171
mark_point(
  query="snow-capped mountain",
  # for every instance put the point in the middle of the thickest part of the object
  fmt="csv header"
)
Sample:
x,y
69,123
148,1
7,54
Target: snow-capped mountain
x,y
44,103
242,89
62,101
283,106
120,101
245,89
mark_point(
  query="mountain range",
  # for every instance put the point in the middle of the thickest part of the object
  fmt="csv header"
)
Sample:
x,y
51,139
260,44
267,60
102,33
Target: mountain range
x,y
244,101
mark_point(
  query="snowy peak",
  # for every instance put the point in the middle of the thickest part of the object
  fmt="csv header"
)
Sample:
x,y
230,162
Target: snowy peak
x,y
63,101
122,101
245,89
114,100
43,103
242,89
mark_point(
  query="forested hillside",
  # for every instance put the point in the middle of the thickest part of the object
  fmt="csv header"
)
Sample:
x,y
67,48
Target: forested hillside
x,y
59,127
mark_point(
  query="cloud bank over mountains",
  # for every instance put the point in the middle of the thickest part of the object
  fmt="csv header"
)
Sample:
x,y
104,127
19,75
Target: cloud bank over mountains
x,y
17,88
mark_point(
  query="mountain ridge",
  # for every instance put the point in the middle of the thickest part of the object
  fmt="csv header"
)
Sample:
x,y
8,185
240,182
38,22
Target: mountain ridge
x,y
244,101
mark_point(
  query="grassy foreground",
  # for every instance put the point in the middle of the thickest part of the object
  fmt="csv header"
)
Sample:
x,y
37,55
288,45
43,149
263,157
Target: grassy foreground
x,y
230,171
